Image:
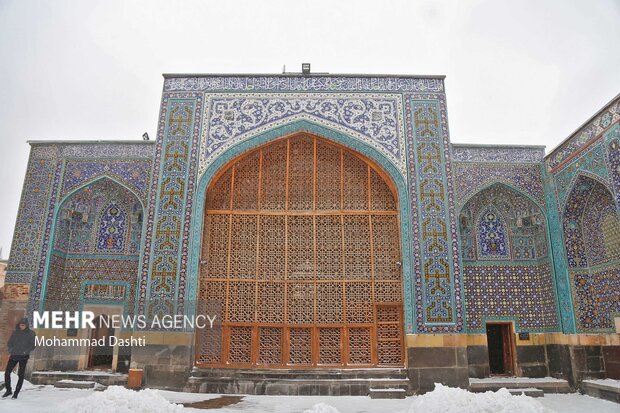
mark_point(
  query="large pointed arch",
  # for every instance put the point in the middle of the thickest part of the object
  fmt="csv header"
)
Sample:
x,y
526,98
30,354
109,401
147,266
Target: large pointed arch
x,y
495,283
122,251
535,209
397,178
293,140
591,226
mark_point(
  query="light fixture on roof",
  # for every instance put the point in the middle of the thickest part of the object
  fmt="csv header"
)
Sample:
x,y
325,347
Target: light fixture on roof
x,y
145,136
305,68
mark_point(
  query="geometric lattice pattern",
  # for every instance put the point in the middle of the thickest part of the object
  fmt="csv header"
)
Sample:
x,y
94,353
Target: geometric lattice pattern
x,y
73,281
597,298
524,293
300,244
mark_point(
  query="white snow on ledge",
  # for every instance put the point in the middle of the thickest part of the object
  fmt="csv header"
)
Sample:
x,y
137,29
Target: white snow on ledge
x,y
605,382
517,380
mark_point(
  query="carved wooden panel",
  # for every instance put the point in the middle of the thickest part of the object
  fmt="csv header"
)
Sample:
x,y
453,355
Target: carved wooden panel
x,y
300,261
389,335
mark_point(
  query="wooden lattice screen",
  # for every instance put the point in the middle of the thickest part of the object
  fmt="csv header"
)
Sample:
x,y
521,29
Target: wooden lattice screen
x,y
300,261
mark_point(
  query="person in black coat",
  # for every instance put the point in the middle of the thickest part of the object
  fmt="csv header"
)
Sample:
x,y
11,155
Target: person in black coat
x,y
21,343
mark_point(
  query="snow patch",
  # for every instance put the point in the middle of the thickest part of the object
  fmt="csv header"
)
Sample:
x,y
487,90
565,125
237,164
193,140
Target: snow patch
x,y
322,408
121,400
453,400
26,386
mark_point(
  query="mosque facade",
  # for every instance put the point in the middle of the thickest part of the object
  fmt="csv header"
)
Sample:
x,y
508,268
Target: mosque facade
x,y
327,224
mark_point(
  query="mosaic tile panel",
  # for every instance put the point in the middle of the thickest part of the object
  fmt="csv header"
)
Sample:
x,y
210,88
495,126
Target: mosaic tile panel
x,y
592,235
470,178
46,224
600,227
302,84
29,228
117,150
492,237
38,283
164,273
560,268
586,134
463,153
69,276
591,162
613,159
438,277
597,298
91,243
523,293
520,235
135,174
579,214
375,119
103,217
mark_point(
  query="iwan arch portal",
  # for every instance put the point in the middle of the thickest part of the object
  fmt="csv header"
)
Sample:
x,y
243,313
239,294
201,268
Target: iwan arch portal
x,y
301,255
331,225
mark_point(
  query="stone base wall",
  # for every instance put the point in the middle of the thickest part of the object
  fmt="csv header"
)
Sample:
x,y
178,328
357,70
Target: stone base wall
x,y
611,359
440,358
168,358
570,357
12,309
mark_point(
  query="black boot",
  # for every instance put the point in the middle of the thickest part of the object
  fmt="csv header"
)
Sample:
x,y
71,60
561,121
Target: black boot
x,y
15,395
7,393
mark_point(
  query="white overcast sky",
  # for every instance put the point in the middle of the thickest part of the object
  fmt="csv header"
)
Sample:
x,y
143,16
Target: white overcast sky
x,y
518,72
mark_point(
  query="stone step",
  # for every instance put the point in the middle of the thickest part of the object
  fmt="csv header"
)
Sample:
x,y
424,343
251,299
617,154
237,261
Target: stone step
x,y
293,386
103,378
389,393
257,374
546,384
527,391
74,384
606,389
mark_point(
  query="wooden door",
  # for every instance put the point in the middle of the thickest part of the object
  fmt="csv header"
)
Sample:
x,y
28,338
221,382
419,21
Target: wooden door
x,y
500,342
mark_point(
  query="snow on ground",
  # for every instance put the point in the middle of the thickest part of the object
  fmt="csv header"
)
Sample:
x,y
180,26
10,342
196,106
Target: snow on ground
x,y
322,408
37,399
121,400
14,378
577,403
454,400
